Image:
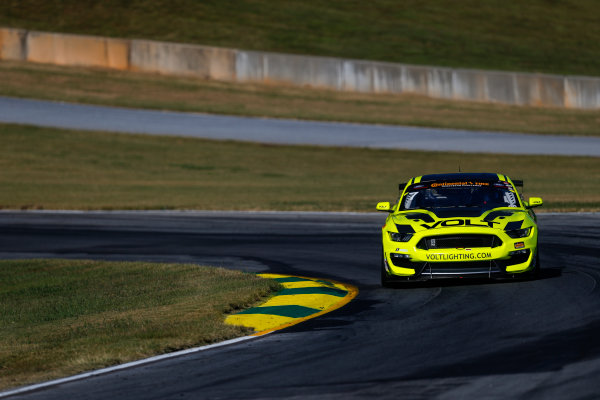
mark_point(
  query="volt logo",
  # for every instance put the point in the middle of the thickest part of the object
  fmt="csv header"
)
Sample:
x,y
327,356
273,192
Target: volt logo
x,y
457,222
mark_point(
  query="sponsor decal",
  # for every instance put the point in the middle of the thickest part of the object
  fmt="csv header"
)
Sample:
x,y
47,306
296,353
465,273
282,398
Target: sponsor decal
x,y
459,222
458,256
519,245
454,184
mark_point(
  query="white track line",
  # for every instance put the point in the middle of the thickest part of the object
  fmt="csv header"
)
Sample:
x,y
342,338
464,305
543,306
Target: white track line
x,y
102,371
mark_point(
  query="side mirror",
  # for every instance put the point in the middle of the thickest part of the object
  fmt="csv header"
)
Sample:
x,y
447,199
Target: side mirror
x,y
535,202
384,206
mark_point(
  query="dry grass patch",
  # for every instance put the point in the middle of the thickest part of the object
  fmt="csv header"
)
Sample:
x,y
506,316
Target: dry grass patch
x,y
61,317
60,169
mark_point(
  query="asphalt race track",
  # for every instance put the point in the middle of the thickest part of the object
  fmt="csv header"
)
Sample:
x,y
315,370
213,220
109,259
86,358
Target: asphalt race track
x,y
529,340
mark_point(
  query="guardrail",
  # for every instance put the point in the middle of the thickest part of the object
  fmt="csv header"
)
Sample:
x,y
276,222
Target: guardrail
x,y
322,72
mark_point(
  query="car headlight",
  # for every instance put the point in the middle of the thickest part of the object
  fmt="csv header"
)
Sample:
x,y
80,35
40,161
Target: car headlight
x,y
400,237
519,233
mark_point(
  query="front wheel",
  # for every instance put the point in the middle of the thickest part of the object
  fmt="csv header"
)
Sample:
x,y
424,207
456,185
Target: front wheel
x,y
386,282
535,272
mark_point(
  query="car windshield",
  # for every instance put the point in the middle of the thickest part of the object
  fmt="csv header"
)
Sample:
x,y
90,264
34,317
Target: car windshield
x,y
439,195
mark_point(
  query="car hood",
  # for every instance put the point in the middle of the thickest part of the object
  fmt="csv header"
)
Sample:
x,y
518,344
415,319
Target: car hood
x,y
420,220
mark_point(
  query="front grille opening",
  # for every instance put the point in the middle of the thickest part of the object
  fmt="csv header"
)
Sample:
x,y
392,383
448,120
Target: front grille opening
x,y
400,260
459,241
519,258
515,259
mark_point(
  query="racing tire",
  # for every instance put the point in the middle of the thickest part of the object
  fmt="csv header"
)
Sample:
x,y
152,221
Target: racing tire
x,y
536,271
386,282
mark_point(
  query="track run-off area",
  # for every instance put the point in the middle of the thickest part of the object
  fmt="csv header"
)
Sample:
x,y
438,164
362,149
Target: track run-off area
x,y
282,131
463,339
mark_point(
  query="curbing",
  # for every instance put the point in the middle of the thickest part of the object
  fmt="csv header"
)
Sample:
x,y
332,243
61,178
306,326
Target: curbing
x,y
301,299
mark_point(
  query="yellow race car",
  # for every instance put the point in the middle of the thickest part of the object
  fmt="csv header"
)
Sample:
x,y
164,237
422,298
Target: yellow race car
x,y
459,225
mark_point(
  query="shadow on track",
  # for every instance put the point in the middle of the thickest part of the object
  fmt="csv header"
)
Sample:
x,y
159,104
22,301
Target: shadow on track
x,y
545,273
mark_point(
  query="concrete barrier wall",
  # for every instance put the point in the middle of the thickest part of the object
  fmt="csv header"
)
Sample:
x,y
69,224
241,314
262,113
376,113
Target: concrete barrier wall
x,y
13,44
182,59
52,48
320,72
60,49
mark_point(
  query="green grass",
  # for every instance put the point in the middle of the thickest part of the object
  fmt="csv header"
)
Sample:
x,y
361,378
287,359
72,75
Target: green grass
x,y
185,94
536,35
59,169
61,317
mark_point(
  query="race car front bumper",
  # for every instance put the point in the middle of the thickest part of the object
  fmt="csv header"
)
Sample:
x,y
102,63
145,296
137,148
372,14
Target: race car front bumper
x,y
500,268
508,257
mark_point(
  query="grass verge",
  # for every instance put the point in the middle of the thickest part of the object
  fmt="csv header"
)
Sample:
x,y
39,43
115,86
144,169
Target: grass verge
x,y
535,35
62,317
47,168
130,89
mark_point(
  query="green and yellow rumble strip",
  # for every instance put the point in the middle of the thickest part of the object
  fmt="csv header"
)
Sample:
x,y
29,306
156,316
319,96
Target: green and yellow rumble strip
x,y
301,299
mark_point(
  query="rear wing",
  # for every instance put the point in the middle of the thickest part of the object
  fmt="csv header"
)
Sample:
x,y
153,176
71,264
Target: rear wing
x,y
519,184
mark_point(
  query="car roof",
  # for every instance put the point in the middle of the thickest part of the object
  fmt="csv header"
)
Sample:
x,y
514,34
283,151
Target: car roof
x,y
462,176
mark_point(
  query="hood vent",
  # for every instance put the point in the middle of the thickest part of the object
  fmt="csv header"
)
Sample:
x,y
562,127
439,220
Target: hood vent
x,y
419,216
495,214
459,242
